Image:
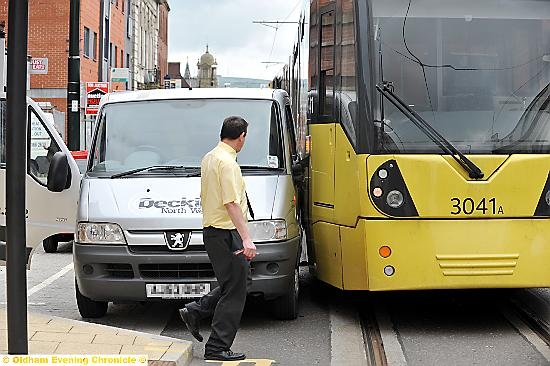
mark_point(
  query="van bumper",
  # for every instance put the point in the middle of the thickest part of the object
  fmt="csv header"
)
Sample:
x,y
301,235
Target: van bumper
x,y
114,273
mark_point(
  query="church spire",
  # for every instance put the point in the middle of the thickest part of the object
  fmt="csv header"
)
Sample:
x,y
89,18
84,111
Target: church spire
x,y
187,74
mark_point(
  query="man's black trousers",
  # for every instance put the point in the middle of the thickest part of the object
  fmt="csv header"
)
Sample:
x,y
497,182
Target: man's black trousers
x,y
226,302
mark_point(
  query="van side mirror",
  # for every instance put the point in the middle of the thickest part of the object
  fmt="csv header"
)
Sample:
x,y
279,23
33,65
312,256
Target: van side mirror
x,y
298,168
59,173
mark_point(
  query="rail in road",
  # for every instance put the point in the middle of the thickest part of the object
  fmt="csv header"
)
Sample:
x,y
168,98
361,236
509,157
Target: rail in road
x,y
531,309
374,346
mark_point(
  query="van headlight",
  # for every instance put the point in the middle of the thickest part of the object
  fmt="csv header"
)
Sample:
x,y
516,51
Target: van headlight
x,y
96,233
267,230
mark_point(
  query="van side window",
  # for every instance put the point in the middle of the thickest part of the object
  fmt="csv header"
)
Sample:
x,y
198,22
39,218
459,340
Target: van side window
x,y
3,133
275,137
41,148
290,127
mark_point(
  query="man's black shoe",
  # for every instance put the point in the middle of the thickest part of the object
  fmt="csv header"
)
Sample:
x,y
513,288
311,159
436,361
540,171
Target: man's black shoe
x,y
191,322
224,356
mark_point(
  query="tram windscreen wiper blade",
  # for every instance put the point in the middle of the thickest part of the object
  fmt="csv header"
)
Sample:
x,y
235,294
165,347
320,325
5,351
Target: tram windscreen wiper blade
x,y
148,168
473,170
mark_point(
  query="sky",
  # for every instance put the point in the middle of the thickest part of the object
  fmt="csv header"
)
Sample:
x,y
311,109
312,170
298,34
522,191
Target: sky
x,y
239,45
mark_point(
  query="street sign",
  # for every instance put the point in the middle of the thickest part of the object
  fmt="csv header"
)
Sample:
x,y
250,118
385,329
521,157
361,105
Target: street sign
x,y
120,74
94,92
39,65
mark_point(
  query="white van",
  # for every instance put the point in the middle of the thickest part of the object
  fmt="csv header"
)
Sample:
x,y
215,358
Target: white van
x,y
139,221
51,205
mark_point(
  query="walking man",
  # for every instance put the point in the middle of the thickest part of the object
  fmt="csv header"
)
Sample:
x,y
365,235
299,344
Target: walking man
x,y
227,242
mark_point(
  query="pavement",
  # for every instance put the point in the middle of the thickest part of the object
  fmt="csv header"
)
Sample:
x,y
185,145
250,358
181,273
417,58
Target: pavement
x,y
53,335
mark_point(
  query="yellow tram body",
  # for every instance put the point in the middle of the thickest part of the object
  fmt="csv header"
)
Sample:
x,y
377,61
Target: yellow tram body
x,y
437,249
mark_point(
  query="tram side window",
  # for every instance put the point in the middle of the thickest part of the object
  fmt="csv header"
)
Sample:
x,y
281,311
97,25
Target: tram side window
x,y
3,133
326,74
346,96
313,69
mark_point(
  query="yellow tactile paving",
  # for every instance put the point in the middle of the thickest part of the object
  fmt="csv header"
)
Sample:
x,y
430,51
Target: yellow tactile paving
x,y
147,341
154,353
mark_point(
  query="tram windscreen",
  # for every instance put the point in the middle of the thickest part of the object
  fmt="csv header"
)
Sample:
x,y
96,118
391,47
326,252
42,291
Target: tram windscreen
x,y
477,71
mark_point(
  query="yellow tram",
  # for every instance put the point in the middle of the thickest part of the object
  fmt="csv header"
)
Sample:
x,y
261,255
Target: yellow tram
x,y
428,126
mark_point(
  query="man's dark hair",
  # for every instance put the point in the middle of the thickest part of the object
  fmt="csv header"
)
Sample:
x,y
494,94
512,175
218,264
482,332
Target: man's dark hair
x,y
233,127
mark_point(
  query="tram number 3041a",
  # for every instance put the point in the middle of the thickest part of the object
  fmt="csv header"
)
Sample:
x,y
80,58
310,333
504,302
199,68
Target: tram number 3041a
x,y
468,206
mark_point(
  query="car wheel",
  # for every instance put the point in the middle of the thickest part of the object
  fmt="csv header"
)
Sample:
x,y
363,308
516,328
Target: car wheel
x,y
286,306
89,308
50,244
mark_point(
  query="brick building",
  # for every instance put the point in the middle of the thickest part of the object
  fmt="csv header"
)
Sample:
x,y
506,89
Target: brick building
x,y
106,41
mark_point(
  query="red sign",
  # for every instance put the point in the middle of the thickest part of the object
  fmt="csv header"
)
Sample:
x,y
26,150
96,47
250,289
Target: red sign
x,y
94,92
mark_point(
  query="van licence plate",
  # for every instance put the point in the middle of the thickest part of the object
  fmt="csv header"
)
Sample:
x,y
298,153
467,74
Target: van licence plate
x,y
177,290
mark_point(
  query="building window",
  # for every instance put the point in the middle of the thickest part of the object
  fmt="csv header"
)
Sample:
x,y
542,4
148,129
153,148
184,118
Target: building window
x,y
87,42
95,46
128,60
121,58
128,22
116,56
111,54
106,40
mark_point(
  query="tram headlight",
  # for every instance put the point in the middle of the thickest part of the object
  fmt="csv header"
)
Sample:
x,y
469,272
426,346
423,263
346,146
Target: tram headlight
x,y
383,173
394,199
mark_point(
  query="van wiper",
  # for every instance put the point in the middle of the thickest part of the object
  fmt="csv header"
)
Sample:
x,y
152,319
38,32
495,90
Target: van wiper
x,y
473,170
156,167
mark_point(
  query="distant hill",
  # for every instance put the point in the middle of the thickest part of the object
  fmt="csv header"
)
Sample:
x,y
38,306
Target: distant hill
x,y
241,82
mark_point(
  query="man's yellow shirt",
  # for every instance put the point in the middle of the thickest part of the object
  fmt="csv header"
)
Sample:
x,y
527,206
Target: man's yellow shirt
x,y
221,183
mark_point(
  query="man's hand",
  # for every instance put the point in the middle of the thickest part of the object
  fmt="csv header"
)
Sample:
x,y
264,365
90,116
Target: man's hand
x,y
249,250
234,211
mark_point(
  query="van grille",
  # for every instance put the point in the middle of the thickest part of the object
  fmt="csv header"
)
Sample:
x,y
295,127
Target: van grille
x,y
176,271
119,270
164,249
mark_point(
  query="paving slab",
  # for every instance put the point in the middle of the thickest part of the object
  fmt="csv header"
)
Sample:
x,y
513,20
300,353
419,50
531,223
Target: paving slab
x,y
54,335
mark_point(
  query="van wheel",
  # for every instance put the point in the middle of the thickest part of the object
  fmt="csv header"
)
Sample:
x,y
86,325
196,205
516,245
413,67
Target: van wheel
x,y
89,308
286,306
50,244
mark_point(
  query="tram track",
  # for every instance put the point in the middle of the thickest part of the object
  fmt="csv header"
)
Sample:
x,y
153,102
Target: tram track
x,y
372,338
530,317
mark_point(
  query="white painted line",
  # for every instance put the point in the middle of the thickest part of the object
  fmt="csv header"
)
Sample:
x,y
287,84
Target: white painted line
x,y
346,337
392,348
528,333
48,281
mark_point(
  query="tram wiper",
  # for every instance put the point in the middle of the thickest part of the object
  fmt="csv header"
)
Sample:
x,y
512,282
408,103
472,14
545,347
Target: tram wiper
x,y
473,170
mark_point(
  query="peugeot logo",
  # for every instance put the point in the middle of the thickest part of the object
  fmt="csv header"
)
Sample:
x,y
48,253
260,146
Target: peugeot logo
x,y
177,240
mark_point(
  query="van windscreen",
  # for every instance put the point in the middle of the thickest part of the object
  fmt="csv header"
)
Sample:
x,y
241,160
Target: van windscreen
x,y
135,135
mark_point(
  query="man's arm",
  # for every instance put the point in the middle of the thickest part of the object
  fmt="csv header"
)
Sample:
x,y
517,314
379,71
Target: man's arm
x,y
236,215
